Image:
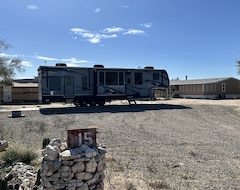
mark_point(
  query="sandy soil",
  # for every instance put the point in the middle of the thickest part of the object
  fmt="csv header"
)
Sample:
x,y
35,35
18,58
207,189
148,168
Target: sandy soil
x,y
165,144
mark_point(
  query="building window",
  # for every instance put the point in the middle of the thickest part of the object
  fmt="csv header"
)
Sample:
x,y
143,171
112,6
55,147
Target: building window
x,y
138,78
223,87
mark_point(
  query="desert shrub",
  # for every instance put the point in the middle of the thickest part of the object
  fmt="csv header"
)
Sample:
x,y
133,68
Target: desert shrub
x,y
16,154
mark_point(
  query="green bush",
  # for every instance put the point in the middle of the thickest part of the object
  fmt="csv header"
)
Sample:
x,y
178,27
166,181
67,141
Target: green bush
x,y
15,154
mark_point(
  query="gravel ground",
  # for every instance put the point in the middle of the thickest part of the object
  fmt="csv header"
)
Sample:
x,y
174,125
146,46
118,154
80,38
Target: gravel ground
x,y
166,144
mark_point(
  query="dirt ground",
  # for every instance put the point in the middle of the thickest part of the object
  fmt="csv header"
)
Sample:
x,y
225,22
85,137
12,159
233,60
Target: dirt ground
x,y
165,144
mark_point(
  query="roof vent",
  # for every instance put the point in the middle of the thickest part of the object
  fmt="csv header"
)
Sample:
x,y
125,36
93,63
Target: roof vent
x,y
149,67
98,66
61,64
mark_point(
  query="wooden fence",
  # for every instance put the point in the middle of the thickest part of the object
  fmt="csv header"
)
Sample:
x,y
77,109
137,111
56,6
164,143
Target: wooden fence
x,y
21,94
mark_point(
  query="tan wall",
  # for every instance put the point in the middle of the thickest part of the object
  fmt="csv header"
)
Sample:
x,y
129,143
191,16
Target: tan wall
x,y
194,89
232,86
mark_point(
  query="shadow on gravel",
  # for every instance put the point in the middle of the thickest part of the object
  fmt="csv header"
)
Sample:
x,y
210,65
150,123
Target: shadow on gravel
x,y
110,108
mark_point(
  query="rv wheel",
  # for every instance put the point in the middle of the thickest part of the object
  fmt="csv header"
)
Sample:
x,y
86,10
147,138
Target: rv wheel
x,y
93,104
83,104
76,103
101,103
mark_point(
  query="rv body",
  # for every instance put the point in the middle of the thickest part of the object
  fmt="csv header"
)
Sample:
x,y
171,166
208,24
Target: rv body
x,y
97,85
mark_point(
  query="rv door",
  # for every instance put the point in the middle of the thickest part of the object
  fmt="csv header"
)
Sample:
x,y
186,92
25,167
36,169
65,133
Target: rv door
x,y
68,87
129,86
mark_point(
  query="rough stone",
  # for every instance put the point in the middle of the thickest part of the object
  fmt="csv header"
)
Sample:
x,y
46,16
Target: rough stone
x,y
83,187
90,152
84,176
70,155
65,171
51,152
78,167
100,166
91,166
55,142
93,180
75,183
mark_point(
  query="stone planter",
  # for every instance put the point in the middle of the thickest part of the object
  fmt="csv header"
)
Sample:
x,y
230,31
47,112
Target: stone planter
x,y
80,168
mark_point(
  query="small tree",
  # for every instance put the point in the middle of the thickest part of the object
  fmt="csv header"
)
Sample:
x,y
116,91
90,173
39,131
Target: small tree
x,y
8,65
238,65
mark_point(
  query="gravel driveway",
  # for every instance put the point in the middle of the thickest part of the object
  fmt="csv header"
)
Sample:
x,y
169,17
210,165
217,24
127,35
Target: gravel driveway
x,y
172,144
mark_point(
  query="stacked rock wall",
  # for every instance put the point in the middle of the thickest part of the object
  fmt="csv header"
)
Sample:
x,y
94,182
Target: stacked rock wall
x,y
80,168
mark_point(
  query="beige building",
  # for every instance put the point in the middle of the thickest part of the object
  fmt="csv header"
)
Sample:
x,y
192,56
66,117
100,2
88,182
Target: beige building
x,y
213,88
20,91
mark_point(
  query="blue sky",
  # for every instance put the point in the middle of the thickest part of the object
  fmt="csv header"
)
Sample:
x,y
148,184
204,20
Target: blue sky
x,y
197,38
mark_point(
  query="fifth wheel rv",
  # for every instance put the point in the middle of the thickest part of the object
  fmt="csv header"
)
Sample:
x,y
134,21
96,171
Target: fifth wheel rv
x,y
96,85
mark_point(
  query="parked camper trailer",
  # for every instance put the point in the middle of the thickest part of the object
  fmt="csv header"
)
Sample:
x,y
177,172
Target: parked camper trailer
x,y
96,85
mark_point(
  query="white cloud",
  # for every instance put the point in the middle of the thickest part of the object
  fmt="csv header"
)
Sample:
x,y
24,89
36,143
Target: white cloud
x,y
26,63
74,60
146,25
9,55
78,30
103,36
97,10
97,37
46,58
32,7
94,40
113,30
87,35
3,55
134,32
69,61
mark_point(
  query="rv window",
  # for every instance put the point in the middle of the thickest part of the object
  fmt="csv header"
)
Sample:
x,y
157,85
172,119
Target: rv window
x,y
111,78
55,83
155,76
101,78
138,78
68,81
121,78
